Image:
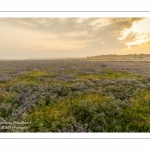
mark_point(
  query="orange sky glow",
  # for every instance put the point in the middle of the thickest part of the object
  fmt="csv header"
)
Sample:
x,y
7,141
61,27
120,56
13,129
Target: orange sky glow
x,y
23,38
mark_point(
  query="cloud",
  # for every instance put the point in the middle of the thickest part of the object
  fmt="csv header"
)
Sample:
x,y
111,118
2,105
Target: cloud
x,y
138,34
89,35
66,25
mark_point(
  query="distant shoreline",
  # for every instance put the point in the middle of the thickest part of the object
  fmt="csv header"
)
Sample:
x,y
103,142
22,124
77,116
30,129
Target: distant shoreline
x,y
110,57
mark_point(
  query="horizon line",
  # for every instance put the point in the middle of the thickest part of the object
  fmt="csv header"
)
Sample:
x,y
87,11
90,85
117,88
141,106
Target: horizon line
x,y
54,58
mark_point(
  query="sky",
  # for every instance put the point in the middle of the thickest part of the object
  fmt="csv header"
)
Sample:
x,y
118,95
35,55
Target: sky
x,y
25,38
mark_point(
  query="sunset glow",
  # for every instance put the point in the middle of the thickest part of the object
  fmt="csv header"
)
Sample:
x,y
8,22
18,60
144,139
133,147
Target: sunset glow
x,y
22,38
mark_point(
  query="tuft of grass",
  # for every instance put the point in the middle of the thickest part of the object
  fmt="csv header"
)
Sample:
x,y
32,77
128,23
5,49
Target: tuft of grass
x,y
7,97
52,118
138,114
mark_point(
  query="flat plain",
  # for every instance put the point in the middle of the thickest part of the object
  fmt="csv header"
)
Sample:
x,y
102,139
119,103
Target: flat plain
x,y
75,96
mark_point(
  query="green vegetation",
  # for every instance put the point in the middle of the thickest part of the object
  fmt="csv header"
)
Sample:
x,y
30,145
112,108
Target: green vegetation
x,y
75,96
109,74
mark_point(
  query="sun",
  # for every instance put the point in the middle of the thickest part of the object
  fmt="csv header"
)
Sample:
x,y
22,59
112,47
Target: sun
x,y
141,32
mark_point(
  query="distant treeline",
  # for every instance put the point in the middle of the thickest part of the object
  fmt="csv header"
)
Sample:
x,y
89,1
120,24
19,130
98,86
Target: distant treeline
x,y
113,57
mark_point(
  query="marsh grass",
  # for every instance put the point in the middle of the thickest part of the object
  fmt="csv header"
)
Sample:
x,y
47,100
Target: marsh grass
x,y
72,96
